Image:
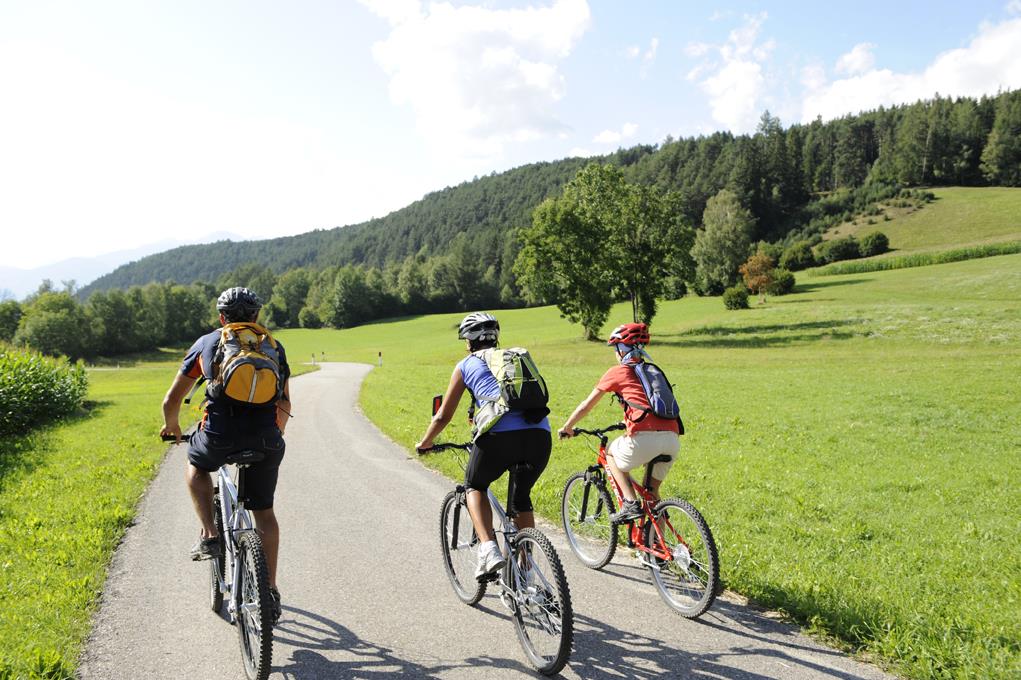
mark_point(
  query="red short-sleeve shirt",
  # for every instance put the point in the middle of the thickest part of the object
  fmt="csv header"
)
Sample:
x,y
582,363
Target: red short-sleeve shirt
x,y
621,380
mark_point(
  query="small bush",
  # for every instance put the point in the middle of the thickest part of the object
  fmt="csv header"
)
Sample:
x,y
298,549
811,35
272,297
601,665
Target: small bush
x,y
735,297
874,243
34,389
783,282
839,249
799,256
308,318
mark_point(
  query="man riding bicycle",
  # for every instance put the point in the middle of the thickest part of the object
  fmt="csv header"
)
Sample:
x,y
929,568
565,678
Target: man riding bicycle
x,y
228,427
519,442
646,435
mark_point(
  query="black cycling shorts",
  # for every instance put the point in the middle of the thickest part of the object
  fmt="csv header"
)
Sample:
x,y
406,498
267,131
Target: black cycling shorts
x,y
523,452
208,451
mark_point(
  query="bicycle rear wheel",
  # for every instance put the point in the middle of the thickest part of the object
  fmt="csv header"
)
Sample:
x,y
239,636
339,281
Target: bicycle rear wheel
x,y
585,510
688,580
254,618
543,616
457,543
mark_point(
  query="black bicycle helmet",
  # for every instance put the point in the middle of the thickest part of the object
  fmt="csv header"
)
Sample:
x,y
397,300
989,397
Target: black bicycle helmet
x,y
479,327
238,304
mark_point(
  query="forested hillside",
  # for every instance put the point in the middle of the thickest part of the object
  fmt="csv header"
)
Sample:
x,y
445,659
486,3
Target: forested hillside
x,y
780,174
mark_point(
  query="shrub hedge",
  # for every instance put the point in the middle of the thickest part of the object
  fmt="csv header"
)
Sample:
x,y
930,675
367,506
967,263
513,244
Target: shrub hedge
x,y
920,259
783,282
736,297
34,389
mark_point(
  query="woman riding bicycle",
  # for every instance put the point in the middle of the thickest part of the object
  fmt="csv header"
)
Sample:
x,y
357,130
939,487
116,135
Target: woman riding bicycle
x,y
518,442
647,436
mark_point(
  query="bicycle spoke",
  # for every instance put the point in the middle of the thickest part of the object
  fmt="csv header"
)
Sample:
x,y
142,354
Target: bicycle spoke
x,y
542,603
687,579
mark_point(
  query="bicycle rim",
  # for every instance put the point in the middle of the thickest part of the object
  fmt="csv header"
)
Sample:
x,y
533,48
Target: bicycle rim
x,y
543,616
585,510
687,580
255,630
458,546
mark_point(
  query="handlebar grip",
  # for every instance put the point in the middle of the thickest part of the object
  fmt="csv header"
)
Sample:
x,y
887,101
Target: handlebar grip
x,y
172,438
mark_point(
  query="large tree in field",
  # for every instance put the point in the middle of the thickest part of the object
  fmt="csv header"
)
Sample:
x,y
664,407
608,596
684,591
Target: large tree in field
x,y
604,239
723,243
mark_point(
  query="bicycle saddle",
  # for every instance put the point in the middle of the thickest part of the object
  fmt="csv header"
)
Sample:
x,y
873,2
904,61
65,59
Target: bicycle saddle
x,y
244,457
661,459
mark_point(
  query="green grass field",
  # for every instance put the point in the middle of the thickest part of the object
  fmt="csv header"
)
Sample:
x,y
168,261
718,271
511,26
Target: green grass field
x,y
960,216
854,446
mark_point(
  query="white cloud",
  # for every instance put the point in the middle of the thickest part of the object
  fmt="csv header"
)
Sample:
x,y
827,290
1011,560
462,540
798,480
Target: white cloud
x,y
650,54
858,60
1014,7
626,131
633,52
989,63
580,152
735,81
479,78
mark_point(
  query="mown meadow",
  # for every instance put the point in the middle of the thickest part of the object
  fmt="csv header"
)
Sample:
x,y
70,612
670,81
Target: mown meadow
x,y
854,446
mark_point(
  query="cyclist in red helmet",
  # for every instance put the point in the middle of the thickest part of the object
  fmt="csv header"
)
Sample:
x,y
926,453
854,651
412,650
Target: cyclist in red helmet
x,y
646,435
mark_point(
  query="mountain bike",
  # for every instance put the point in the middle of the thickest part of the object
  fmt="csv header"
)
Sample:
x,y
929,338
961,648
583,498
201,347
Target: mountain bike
x,y
532,584
238,572
671,538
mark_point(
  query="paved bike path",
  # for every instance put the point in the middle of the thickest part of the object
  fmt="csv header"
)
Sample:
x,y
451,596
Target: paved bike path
x,y
364,590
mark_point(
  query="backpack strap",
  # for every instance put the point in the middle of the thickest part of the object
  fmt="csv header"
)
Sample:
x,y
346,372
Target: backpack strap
x,y
636,407
198,384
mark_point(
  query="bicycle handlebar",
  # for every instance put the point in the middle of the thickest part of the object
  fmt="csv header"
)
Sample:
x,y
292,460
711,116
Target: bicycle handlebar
x,y
600,432
436,448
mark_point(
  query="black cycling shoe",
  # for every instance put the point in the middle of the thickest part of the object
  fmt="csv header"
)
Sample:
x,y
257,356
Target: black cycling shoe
x,y
275,610
206,549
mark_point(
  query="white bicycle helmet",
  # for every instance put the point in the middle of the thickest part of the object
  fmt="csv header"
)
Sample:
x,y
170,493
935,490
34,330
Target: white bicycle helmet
x,y
479,326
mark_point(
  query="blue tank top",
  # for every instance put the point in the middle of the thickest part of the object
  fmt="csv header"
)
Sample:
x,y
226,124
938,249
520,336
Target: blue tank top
x,y
482,383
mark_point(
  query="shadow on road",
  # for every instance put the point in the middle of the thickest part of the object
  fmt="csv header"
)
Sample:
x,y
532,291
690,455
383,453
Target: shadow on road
x,y
326,649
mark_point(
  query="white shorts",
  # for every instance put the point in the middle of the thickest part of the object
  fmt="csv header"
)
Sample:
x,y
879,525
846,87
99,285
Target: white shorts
x,y
638,449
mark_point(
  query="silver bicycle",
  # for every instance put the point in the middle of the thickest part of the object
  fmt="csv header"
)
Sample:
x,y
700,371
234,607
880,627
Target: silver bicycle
x,y
532,585
238,572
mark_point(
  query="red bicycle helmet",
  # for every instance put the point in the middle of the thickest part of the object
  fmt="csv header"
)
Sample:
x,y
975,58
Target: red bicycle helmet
x,y
630,334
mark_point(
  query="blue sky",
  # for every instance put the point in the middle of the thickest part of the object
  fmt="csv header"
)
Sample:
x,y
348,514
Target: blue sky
x,y
127,123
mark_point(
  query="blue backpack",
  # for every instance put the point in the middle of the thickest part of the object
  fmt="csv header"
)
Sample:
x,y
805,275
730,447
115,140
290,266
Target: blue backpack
x,y
658,391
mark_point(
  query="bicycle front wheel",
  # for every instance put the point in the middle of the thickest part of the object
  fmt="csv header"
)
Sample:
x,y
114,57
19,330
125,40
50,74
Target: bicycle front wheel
x,y
542,602
254,620
458,543
217,565
688,578
585,510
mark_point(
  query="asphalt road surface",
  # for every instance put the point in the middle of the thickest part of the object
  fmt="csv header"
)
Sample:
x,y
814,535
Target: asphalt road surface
x,y
364,590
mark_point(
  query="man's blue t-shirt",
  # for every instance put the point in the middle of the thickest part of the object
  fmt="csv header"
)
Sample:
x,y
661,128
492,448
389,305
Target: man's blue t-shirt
x,y
225,416
482,383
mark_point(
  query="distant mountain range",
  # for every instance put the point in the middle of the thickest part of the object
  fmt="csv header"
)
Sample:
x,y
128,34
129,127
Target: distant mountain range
x,y
18,283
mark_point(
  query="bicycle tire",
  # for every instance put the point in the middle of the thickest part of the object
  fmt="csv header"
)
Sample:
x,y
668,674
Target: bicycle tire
x,y
254,618
593,538
217,565
548,609
689,581
460,563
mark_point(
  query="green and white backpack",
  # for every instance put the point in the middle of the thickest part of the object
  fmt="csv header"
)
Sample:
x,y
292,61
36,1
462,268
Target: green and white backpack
x,y
522,388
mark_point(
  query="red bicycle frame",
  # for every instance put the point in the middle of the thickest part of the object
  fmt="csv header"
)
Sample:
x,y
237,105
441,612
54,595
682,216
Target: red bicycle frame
x,y
636,537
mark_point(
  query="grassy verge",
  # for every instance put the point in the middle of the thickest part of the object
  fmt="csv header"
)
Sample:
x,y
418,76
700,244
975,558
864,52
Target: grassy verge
x,y
67,493
854,446
876,264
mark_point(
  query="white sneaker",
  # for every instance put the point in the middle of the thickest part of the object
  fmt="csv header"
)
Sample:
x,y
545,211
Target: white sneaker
x,y
490,562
